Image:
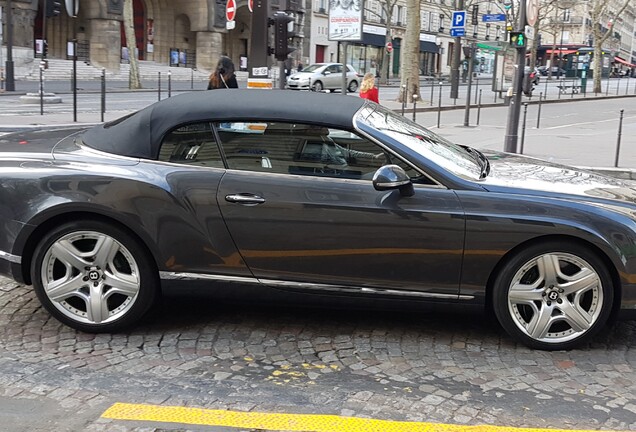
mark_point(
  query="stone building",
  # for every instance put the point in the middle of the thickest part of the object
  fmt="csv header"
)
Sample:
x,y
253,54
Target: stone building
x,y
191,32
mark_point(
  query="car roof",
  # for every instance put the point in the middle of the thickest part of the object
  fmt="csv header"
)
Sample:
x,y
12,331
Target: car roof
x,y
140,134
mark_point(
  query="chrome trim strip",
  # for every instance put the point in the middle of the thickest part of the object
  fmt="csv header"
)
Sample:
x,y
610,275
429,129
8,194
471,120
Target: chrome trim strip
x,y
311,286
365,290
10,257
199,276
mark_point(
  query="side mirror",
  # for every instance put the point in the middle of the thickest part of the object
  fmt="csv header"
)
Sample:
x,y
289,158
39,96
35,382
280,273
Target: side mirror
x,y
390,177
326,72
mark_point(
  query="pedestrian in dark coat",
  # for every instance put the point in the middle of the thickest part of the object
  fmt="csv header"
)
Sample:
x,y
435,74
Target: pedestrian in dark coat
x,y
223,76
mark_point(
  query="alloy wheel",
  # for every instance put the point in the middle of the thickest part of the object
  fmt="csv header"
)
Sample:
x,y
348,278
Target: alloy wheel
x,y
555,297
90,277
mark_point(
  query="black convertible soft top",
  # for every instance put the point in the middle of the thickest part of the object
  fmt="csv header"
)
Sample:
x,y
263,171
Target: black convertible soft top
x,y
140,134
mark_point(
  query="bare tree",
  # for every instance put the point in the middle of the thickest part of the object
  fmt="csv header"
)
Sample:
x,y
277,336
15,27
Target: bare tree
x,y
131,43
548,22
386,6
411,54
598,11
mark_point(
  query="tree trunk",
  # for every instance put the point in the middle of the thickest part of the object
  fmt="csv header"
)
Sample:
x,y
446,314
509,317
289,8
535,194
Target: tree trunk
x,y
385,68
131,43
411,54
598,63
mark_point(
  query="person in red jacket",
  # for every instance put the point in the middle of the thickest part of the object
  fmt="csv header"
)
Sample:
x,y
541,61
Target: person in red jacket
x,y
368,90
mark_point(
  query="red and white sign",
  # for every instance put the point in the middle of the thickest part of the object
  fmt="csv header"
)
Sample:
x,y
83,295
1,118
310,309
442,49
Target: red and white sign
x,y
230,10
532,11
389,47
250,5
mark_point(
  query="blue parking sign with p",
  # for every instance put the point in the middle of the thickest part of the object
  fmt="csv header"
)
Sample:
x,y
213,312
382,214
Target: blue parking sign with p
x,y
459,19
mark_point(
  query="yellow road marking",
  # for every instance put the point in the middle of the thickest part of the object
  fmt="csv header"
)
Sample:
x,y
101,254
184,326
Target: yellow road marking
x,y
289,422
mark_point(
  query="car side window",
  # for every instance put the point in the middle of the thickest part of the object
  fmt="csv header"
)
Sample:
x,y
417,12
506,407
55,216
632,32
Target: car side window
x,y
333,69
192,144
303,149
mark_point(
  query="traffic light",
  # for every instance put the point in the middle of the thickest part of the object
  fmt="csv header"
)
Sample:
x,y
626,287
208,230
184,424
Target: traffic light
x,y
282,33
527,85
517,39
53,8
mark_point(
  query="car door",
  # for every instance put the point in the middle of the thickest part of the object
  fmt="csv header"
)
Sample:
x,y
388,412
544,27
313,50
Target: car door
x,y
333,79
299,214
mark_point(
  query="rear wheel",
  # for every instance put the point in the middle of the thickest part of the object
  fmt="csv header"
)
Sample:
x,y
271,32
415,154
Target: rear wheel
x,y
93,276
553,296
353,86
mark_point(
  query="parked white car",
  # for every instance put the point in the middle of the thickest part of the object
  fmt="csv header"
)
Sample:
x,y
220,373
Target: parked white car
x,y
323,76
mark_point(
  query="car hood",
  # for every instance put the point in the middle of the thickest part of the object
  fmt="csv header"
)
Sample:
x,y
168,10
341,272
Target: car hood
x,y
523,174
302,74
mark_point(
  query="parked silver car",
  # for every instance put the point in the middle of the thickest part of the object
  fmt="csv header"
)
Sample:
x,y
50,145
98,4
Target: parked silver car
x,y
321,76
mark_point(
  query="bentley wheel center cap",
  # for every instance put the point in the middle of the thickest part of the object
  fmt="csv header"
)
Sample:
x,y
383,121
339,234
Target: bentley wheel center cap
x,y
93,275
553,295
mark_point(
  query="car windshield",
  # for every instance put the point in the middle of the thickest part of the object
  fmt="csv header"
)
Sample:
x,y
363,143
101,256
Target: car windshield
x,y
312,68
452,157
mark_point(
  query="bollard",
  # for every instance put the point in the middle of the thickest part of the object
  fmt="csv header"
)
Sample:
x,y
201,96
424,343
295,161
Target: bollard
x,y
439,105
476,89
103,93
479,107
169,84
414,105
496,88
546,87
403,97
432,91
618,140
523,126
572,93
561,89
41,88
191,79
159,86
539,110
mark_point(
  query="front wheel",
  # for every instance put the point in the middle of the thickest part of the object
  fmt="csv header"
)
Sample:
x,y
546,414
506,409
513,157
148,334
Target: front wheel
x,y
93,276
553,296
317,86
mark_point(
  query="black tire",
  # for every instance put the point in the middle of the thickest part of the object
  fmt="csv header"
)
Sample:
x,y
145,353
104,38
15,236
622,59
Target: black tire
x,y
318,87
353,86
92,263
544,311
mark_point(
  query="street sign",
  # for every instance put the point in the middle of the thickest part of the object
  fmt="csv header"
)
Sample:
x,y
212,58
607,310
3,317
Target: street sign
x,y
532,11
230,10
458,32
529,30
493,17
459,19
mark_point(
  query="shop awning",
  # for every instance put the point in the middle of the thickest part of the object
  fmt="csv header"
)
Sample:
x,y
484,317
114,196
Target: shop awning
x,y
559,51
373,39
378,40
426,46
620,60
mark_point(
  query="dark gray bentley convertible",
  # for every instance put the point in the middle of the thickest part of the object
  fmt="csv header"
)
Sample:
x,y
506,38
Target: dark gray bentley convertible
x,y
311,193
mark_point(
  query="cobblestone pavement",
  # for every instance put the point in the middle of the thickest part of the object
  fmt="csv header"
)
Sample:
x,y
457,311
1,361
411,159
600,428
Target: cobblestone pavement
x,y
441,366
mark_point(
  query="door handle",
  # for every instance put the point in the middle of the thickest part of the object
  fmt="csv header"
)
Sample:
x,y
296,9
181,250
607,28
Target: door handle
x,y
247,199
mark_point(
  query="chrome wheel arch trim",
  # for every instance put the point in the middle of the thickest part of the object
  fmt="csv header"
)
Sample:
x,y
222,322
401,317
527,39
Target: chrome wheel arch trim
x,y
311,286
16,259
